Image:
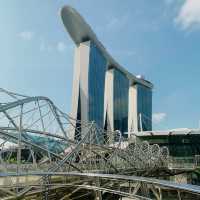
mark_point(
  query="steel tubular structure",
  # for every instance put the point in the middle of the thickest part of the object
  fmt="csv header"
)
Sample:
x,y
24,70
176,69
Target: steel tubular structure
x,y
44,151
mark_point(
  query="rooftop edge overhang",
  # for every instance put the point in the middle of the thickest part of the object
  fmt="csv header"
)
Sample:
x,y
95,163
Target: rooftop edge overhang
x,y
80,32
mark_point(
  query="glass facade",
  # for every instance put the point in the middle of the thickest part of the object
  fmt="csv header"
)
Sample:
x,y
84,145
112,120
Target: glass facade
x,y
121,96
96,85
98,65
144,108
178,145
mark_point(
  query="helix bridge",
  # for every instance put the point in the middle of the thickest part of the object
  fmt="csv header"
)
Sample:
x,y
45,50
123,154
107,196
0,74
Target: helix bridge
x,y
46,154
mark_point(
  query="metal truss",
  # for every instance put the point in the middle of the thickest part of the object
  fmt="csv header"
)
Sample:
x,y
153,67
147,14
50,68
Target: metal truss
x,y
38,138
133,187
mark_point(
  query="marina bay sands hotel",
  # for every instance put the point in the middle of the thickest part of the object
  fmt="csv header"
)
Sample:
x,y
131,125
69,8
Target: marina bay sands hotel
x,y
104,91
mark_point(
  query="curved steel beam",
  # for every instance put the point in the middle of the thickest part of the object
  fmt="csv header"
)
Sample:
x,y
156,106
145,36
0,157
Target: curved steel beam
x,y
162,183
14,104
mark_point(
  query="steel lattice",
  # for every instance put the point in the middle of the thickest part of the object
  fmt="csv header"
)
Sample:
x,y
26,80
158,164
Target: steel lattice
x,y
37,137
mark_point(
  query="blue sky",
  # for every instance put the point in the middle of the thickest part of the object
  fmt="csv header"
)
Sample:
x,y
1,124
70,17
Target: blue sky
x,y
159,39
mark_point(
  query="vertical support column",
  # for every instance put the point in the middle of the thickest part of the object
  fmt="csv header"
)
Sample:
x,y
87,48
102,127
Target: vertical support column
x,y
98,193
75,89
46,181
108,100
132,110
80,81
160,194
84,71
179,195
19,143
19,140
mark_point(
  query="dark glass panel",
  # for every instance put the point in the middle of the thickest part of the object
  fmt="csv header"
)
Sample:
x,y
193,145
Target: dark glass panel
x,y
144,106
97,71
121,91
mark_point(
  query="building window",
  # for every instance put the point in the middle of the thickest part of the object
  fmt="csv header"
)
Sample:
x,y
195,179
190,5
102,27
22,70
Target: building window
x,y
121,91
96,85
144,108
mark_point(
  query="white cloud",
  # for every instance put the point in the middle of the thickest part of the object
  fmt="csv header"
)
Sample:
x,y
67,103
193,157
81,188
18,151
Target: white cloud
x,y
158,117
61,46
26,35
49,47
189,15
